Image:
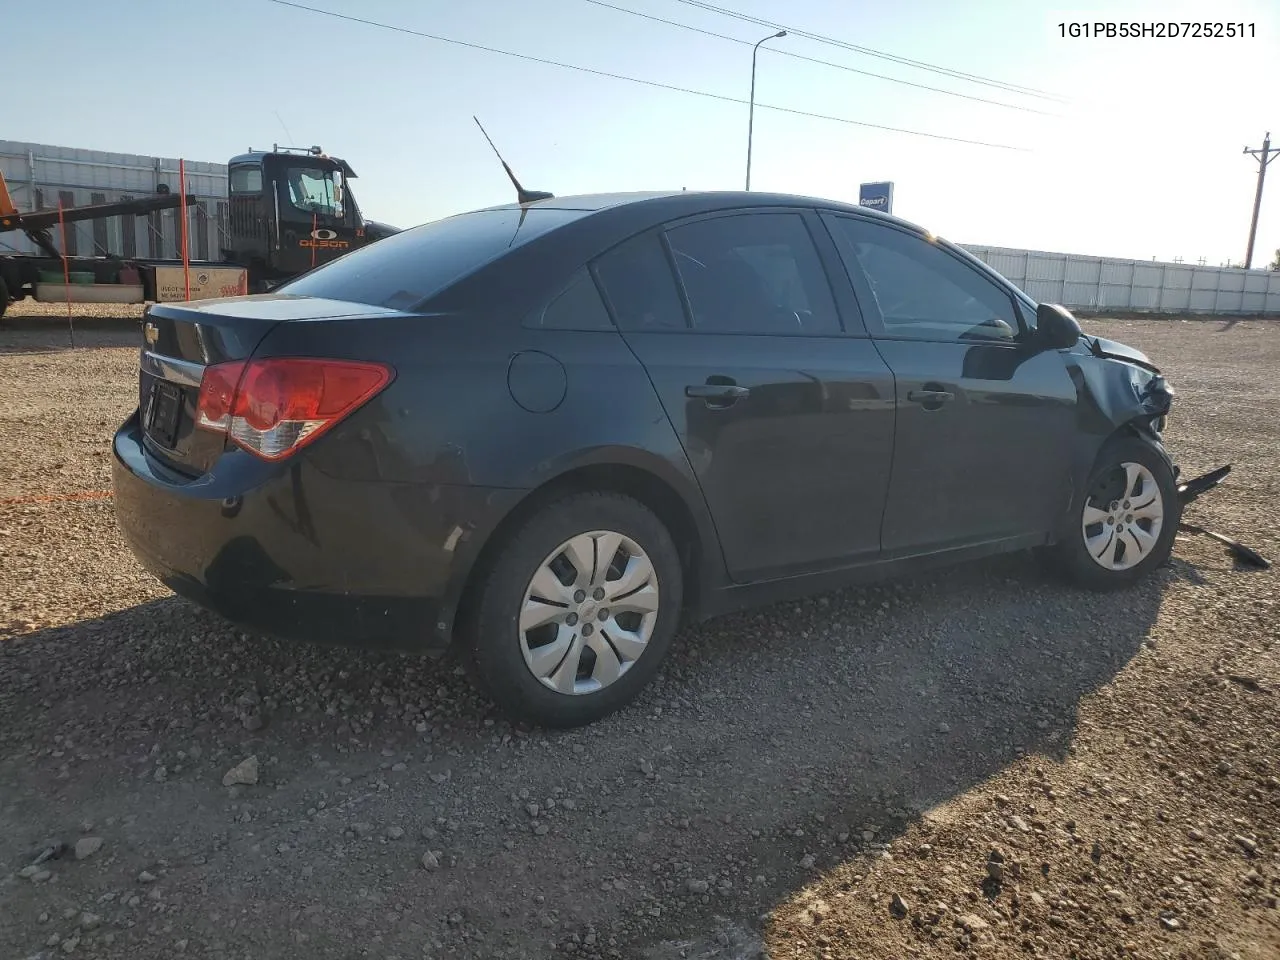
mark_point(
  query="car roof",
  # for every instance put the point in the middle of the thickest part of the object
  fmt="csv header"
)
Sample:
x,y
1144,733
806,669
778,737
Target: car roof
x,y
668,204
586,226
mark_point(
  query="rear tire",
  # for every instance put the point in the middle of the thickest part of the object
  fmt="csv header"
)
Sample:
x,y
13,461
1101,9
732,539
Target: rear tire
x,y
4,298
577,610
1124,524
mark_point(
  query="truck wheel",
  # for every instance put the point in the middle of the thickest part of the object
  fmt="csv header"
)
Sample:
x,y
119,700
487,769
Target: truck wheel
x,y
4,298
577,610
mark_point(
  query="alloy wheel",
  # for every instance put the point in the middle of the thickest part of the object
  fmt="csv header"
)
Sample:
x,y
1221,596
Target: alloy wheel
x,y
588,612
1122,517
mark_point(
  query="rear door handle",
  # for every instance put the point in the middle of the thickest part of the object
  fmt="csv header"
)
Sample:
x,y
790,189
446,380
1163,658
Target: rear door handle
x,y
930,398
716,391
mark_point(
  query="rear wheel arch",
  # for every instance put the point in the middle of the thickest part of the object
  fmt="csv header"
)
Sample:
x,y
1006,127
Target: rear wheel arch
x,y
643,486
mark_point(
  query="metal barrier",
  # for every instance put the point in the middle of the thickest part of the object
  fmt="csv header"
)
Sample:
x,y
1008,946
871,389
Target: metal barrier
x,y
1102,283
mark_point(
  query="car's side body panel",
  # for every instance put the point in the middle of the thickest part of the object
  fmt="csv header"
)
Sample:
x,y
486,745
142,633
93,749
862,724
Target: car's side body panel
x,y
795,472
452,419
387,515
993,461
793,463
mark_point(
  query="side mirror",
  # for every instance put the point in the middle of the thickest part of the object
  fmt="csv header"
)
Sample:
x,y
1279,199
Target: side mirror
x,y
1056,327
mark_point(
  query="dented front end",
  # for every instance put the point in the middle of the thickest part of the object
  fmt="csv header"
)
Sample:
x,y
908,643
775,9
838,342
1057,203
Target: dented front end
x,y
1125,388
1147,410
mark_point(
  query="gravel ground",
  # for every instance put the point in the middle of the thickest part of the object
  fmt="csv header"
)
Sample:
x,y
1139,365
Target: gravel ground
x,y
980,761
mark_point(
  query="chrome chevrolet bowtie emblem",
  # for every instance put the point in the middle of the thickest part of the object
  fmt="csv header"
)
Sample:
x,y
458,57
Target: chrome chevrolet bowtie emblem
x,y
150,332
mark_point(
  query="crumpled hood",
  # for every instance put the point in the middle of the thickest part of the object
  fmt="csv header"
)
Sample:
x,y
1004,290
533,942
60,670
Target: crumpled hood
x,y
1122,351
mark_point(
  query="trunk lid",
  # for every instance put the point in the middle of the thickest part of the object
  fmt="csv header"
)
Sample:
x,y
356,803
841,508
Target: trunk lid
x,y
181,339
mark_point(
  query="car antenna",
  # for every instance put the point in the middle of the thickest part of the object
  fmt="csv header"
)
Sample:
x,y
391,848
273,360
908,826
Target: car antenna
x,y
523,196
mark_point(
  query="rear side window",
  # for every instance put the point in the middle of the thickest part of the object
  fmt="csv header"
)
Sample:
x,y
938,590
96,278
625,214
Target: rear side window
x,y
639,286
577,307
754,273
405,269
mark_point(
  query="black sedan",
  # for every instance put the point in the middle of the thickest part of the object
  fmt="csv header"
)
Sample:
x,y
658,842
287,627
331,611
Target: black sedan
x,y
545,432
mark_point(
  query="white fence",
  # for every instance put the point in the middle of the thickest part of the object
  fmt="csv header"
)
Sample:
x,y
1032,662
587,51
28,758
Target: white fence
x,y
41,175
1101,283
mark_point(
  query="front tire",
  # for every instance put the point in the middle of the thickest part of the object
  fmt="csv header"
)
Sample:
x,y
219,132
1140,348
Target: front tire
x,y
1124,525
577,610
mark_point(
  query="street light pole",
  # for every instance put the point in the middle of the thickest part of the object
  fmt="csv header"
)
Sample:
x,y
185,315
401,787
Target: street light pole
x,y
751,111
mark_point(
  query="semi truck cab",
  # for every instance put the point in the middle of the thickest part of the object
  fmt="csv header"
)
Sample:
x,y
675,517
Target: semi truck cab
x,y
292,209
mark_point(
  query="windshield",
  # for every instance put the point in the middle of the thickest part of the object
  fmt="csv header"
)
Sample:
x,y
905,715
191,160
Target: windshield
x,y
403,270
314,190
246,178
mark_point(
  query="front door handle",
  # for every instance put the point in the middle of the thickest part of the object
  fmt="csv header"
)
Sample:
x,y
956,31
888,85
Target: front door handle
x,y
716,394
716,391
930,399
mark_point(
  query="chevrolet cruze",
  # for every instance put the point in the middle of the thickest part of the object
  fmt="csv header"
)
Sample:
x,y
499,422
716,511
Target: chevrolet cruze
x,y
547,432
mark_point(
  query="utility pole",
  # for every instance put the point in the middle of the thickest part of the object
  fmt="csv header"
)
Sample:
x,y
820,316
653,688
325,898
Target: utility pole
x,y
1264,155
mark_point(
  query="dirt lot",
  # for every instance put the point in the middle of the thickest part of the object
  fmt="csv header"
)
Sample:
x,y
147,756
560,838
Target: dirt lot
x,y
980,761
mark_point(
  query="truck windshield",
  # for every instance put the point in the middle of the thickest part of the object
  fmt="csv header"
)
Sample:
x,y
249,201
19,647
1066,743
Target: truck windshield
x,y
404,270
246,178
314,190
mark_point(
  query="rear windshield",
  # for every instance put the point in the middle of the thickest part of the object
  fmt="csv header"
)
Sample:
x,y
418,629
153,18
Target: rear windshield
x,y
406,268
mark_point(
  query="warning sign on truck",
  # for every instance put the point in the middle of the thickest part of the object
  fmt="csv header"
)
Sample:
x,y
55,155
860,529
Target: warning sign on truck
x,y
206,282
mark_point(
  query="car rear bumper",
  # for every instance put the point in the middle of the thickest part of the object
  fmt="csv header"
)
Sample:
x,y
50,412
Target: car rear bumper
x,y
292,551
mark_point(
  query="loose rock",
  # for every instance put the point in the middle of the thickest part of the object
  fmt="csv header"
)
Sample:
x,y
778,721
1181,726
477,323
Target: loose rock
x,y
244,773
972,922
1246,844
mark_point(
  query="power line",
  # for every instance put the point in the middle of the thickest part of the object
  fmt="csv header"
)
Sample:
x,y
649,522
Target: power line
x,y
907,61
648,83
825,63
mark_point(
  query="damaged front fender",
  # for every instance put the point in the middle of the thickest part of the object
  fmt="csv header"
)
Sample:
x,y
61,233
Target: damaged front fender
x,y
1117,390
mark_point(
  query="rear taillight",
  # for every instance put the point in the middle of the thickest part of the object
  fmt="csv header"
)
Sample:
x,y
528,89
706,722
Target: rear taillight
x,y
217,393
271,407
